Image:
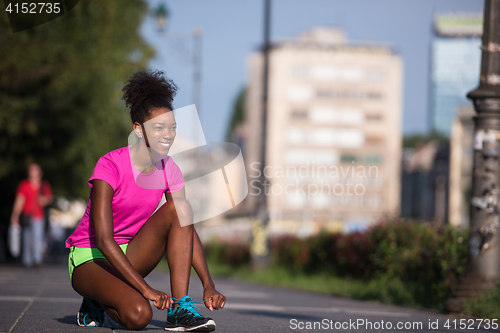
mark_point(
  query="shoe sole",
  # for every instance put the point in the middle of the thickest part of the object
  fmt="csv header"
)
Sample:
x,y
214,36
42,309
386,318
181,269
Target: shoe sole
x,y
208,327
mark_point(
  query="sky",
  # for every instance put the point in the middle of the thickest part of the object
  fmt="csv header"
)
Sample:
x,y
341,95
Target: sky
x,y
233,29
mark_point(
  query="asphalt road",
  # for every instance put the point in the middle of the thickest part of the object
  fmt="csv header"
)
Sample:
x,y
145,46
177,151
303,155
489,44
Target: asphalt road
x,y
43,300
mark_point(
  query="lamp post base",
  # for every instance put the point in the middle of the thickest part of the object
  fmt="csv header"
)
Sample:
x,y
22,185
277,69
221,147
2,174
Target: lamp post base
x,y
471,287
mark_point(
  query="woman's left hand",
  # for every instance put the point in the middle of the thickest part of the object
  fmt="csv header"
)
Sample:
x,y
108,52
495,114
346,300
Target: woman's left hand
x,y
214,299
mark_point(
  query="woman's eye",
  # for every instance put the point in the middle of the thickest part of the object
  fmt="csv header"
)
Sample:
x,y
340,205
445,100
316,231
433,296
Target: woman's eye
x,y
158,128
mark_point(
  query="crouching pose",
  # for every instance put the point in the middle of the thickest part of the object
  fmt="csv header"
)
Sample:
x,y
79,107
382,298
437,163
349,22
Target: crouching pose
x,y
121,238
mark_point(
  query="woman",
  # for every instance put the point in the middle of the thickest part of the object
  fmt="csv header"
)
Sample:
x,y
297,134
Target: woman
x,y
120,240
32,195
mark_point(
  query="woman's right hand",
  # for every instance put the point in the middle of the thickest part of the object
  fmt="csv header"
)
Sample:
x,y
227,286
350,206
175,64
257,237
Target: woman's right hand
x,y
159,298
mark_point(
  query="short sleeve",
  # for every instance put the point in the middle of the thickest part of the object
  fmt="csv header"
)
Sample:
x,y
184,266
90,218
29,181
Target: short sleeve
x,y
175,180
21,188
107,170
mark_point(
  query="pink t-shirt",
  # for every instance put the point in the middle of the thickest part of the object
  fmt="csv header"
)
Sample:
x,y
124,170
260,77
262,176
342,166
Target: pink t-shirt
x,y
136,196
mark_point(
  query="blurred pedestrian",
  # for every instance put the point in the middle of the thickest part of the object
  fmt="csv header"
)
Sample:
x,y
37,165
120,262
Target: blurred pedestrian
x,y
32,195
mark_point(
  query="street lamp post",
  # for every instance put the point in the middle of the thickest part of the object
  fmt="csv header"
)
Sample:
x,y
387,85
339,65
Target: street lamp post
x,y
484,232
260,227
161,14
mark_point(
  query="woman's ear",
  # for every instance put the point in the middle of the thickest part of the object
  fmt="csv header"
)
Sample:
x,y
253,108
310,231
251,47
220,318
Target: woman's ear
x,y
138,129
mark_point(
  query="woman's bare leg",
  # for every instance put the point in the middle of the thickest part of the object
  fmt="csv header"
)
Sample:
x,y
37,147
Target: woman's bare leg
x,y
162,232
100,281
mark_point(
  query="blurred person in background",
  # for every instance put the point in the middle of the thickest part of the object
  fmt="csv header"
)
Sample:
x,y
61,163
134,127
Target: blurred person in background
x,y
32,195
121,238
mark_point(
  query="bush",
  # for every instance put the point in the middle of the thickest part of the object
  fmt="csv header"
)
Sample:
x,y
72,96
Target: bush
x,y
486,306
233,253
404,262
421,263
431,258
332,253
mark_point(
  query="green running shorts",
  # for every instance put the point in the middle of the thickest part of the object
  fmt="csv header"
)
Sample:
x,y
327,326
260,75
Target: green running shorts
x,y
81,255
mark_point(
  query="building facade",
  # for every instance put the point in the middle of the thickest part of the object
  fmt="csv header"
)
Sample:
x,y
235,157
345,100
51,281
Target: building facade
x,y
333,141
455,66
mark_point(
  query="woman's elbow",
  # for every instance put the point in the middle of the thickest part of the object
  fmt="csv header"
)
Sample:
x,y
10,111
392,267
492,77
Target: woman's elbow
x,y
103,243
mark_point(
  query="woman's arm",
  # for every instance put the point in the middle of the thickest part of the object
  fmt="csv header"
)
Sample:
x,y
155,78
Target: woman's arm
x,y
215,299
17,209
102,215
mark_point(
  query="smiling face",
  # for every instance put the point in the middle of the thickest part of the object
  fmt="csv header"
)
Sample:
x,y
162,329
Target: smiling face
x,y
160,127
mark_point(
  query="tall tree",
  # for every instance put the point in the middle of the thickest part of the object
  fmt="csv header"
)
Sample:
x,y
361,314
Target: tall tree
x,y
237,114
60,90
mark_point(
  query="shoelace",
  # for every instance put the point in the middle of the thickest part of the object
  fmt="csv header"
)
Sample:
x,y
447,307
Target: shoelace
x,y
96,315
189,305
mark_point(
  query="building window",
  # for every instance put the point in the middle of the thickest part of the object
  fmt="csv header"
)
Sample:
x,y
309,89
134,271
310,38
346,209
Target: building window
x,y
300,71
351,138
351,117
326,157
375,75
374,139
344,116
325,73
347,138
373,96
322,115
324,93
298,114
320,201
300,93
297,157
350,95
296,199
296,135
323,137
372,159
332,73
346,158
374,117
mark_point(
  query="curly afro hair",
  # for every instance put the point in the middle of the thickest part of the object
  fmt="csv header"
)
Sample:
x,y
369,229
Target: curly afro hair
x,y
146,91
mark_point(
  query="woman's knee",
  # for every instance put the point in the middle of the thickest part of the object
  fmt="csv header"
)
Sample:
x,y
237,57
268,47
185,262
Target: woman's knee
x,y
137,315
181,208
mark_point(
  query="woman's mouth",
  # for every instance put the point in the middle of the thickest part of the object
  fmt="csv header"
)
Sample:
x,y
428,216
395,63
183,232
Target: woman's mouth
x,y
165,144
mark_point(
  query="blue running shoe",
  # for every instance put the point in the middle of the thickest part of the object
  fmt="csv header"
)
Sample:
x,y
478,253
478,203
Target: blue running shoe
x,y
185,318
91,313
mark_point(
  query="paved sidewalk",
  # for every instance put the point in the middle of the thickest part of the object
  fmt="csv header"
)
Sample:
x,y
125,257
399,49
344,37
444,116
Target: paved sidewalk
x,y
41,301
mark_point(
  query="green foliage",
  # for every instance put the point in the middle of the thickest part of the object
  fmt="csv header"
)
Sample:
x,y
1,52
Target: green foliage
x,y
416,140
238,113
432,257
486,306
335,253
60,90
234,254
401,262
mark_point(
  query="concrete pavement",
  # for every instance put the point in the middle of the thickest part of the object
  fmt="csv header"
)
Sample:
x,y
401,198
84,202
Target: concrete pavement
x,y
43,300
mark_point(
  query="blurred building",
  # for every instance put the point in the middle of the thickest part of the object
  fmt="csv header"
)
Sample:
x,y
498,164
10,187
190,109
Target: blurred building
x,y
425,182
334,133
455,66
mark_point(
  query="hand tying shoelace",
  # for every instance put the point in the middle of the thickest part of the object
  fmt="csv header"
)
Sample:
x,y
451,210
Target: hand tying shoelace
x,y
185,317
